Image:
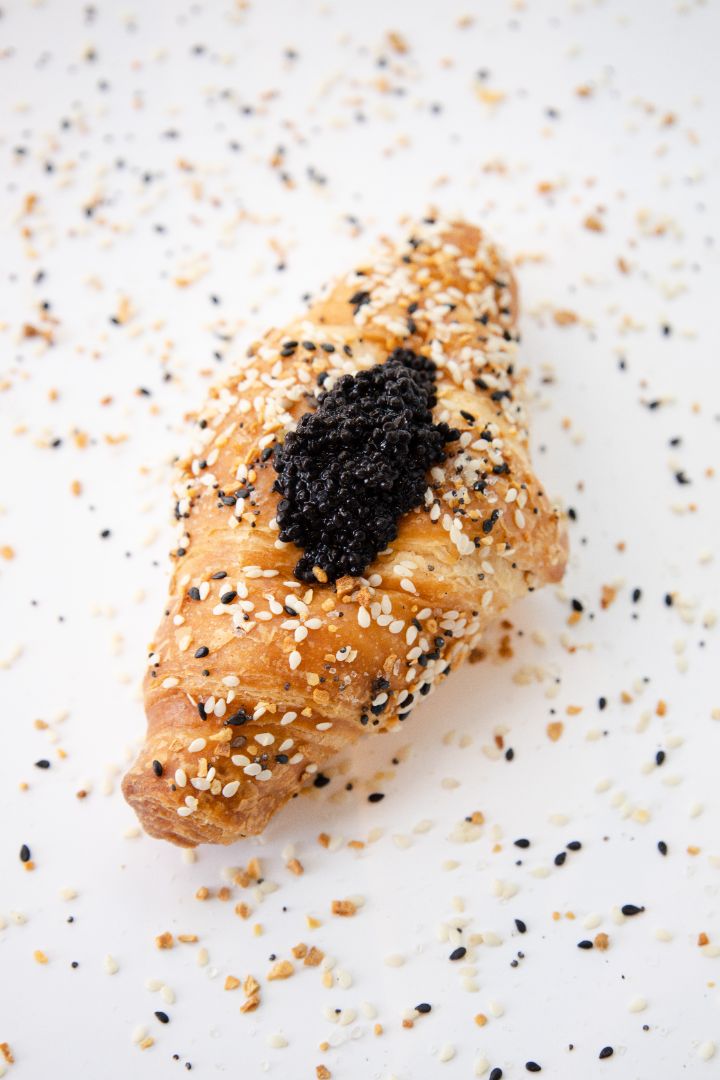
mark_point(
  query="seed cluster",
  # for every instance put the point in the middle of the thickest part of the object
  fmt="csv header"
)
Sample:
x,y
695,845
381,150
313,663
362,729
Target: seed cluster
x,y
358,463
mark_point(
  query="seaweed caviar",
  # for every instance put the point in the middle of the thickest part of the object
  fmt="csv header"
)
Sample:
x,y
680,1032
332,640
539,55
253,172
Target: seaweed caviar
x,y
357,463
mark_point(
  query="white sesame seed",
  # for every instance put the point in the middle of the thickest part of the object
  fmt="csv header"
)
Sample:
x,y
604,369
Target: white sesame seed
x,y
324,726
277,1042
706,1050
408,585
363,617
288,718
240,759
196,746
519,519
170,682
264,775
286,745
294,659
396,626
252,769
230,789
265,738
637,1004
231,680
110,965
180,777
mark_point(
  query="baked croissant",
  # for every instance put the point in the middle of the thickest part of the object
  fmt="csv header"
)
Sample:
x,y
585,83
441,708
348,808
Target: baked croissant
x,y
358,507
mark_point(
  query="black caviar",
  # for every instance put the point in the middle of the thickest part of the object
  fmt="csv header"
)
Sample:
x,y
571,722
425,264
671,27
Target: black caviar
x,y
357,463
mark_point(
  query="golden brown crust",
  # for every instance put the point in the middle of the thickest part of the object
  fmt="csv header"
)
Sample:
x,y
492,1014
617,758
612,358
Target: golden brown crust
x,y
485,536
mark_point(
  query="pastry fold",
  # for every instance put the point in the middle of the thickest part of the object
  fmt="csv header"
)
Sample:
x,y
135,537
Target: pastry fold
x,y
257,679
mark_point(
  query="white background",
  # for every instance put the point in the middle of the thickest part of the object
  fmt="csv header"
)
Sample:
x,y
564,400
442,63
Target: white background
x,y
639,153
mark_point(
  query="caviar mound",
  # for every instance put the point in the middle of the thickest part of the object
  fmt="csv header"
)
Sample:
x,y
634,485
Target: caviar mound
x,y
357,463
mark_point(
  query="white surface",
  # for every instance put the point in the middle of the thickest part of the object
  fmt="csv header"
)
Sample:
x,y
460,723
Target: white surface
x,y
612,463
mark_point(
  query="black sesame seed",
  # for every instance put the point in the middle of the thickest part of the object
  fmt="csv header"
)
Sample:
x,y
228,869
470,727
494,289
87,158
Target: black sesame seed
x,y
157,768
496,1074
162,1017
43,763
219,575
576,605
631,909
560,858
202,651
522,843
602,703
585,944
659,757
194,592
574,845
606,1052
237,719
228,597
459,953
24,853
532,1066
423,1007
662,847
321,780
377,796
521,926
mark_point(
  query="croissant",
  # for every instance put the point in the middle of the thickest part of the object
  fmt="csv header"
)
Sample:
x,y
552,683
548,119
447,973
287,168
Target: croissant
x,y
358,507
